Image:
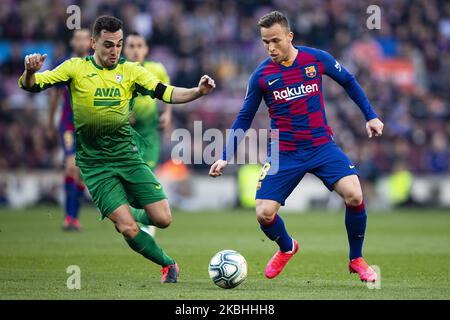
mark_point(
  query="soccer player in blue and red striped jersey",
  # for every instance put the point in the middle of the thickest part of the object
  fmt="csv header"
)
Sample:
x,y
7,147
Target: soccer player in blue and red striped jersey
x,y
73,184
290,81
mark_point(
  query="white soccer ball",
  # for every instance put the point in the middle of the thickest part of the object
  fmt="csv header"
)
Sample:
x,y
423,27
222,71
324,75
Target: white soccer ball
x,y
228,269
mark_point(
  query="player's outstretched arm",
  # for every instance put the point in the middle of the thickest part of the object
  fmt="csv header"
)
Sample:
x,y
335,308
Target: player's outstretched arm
x,y
354,90
217,168
374,126
33,81
33,63
183,95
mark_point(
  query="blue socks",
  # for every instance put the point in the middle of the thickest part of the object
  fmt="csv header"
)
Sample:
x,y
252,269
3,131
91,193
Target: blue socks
x,y
276,231
355,222
74,194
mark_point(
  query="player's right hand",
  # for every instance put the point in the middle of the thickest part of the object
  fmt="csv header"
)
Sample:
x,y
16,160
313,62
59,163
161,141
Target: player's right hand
x,y
374,127
217,168
206,85
34,62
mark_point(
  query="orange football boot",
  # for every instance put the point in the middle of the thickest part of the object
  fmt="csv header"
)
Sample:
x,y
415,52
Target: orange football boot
x,y
366,273
279,261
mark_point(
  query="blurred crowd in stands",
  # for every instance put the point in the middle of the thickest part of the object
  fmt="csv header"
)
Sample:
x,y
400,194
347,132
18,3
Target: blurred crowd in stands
x,y
404,68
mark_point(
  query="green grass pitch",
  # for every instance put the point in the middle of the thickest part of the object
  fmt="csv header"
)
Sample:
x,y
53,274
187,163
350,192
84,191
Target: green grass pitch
x,y
412,249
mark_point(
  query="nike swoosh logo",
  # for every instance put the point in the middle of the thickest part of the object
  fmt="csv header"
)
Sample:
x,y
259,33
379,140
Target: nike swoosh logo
x,y
91,75
158,187
351,167
272,82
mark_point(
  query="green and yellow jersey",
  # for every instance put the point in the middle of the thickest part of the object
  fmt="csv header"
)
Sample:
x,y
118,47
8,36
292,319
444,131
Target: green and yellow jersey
x,y
146,117
100,99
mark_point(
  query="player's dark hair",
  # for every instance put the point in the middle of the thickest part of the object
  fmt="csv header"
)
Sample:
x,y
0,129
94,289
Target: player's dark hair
x,y
108,23
272,18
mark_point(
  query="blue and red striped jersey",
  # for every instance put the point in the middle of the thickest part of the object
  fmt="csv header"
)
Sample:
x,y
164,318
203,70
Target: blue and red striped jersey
x,y
294,98
67,113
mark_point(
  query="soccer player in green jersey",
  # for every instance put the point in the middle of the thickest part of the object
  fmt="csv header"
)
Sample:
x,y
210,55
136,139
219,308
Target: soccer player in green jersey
x,y
101,87
145,117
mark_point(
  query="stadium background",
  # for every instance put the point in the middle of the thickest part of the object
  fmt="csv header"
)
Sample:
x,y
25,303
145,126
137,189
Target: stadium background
x,y
404,68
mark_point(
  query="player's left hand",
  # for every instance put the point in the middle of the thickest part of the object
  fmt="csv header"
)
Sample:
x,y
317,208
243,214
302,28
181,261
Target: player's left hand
x,y
206,85
374,126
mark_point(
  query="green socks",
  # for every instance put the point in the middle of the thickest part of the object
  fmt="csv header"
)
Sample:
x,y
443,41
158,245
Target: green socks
x,y
144,244
140,215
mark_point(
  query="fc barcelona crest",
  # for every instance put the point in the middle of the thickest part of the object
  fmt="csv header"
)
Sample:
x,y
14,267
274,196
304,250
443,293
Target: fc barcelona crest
x,y
311,71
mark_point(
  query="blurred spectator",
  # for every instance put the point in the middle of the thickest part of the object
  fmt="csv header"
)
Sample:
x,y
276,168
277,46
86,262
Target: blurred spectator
x,y
221,38
3,196
439,157
399,185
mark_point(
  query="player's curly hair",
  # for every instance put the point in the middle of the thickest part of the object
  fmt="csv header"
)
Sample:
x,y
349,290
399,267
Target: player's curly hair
x,y
272,18
108,23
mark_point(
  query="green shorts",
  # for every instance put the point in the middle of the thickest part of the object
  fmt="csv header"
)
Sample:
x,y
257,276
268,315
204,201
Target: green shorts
x,y
113,185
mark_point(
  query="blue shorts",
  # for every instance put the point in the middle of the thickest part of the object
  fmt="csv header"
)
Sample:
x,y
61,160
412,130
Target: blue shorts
x,y
67,140
327,162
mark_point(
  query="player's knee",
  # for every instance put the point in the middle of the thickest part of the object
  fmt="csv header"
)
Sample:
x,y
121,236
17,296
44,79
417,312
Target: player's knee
x,y
264,213
163,221
71,171
160,214
354,198
128,230
68,171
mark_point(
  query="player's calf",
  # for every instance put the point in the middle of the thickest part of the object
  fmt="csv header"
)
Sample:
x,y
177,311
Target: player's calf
x,y
273,227
138,240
